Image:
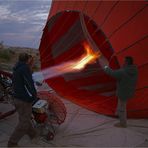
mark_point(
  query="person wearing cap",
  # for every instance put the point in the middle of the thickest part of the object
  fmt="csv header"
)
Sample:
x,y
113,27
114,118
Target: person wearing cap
x,y
126,83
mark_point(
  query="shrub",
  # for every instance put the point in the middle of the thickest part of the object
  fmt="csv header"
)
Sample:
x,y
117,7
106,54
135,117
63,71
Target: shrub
x,y
5,55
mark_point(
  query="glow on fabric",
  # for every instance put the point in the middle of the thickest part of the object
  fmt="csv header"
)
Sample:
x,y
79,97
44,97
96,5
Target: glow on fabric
x,y
113,28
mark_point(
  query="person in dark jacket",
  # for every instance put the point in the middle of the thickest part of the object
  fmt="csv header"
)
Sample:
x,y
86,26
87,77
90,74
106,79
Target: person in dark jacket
x,y
24,95
126,83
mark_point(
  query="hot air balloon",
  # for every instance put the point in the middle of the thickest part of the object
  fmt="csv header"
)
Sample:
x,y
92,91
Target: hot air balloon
x,y
109,29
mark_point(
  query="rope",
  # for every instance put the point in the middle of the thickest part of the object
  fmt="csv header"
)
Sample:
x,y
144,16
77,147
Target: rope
x,y
95,11
133,44
122,25
112,8
141,39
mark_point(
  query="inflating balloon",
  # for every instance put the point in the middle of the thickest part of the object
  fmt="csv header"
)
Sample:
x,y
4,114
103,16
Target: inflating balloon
x,y
110,30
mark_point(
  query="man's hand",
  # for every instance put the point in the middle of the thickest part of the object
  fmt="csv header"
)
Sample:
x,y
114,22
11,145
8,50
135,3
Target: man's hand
x,y
38,83
103,61
105,67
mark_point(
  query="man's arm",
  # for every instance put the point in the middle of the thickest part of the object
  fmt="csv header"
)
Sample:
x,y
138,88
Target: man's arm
x,y
29,81
114,73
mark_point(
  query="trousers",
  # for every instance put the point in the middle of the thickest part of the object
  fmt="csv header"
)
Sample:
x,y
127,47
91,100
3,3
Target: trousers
x,y
121,111
24,126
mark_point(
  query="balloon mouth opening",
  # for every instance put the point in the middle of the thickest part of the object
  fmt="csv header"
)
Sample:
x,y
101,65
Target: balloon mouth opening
x,y
76,45
83,30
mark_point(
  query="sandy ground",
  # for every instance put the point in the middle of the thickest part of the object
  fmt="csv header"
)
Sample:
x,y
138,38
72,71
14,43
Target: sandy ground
x,y
82,128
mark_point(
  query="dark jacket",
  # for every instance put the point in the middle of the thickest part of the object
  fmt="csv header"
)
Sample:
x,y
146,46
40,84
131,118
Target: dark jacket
x,y
126,80
22,82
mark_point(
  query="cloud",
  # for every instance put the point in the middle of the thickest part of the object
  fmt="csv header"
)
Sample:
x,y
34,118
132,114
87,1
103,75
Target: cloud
x,y
23,15
23,18
5,12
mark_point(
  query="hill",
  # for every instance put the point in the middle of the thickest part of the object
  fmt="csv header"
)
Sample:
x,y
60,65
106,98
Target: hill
x,y
9,56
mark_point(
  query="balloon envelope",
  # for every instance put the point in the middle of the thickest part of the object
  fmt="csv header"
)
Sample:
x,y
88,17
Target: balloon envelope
x,y
116,29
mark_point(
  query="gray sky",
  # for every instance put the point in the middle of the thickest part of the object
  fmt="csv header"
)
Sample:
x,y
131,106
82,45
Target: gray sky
x,y
22,21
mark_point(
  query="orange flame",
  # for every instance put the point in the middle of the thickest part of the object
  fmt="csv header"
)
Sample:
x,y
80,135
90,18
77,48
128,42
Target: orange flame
x,y
89,57
72,66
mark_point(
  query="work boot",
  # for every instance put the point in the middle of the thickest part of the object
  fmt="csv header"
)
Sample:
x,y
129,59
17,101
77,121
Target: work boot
x,y
119,125
11,144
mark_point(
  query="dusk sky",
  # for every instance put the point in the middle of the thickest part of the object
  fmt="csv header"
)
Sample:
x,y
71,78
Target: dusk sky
x,y
22,21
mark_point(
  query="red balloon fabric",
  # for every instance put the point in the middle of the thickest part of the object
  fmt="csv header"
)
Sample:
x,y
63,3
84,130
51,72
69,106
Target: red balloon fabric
x,y
116,29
